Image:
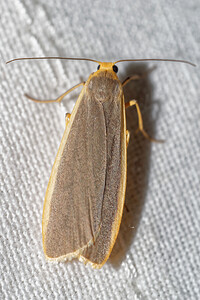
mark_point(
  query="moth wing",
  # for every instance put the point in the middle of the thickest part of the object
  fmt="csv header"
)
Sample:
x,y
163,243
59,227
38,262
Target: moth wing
x,y
72,210
114,194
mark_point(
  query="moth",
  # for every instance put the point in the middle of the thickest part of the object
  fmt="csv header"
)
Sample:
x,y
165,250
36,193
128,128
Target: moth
x,y
86,192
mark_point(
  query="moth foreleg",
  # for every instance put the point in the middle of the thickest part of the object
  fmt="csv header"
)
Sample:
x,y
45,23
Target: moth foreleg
x,y
137,77
59,99
128,79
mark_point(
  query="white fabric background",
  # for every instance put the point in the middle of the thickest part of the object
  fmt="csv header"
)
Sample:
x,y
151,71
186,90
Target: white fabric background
x,y
159,257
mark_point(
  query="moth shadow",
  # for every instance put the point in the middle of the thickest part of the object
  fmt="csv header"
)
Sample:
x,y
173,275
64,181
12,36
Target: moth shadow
x,y
138,160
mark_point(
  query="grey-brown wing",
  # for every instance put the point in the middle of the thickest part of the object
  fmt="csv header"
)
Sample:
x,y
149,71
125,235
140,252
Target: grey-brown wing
x,y
74,199
115,185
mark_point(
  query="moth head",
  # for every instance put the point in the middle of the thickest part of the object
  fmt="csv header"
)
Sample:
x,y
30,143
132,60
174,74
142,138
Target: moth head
x,y
107,66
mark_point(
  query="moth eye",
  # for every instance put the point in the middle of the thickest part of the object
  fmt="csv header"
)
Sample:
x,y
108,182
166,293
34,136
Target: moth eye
x,y
98,67
115,68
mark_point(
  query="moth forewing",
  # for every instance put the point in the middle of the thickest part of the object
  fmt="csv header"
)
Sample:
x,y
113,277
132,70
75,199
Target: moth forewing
x,y
52,182
97,254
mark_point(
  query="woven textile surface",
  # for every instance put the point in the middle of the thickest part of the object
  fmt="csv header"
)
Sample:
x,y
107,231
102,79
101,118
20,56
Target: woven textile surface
x,y
157,252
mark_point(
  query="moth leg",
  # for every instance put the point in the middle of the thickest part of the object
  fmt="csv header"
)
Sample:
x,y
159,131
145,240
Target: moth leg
x,y
137,77
59,99
67,117
127,137
130,78
140,121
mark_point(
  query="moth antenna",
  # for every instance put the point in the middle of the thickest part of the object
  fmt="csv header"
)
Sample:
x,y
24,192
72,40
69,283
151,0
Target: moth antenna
x,y
157,59
96,61
52,57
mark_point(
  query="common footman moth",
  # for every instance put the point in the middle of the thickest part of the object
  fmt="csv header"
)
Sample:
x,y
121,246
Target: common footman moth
x,y
85,196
